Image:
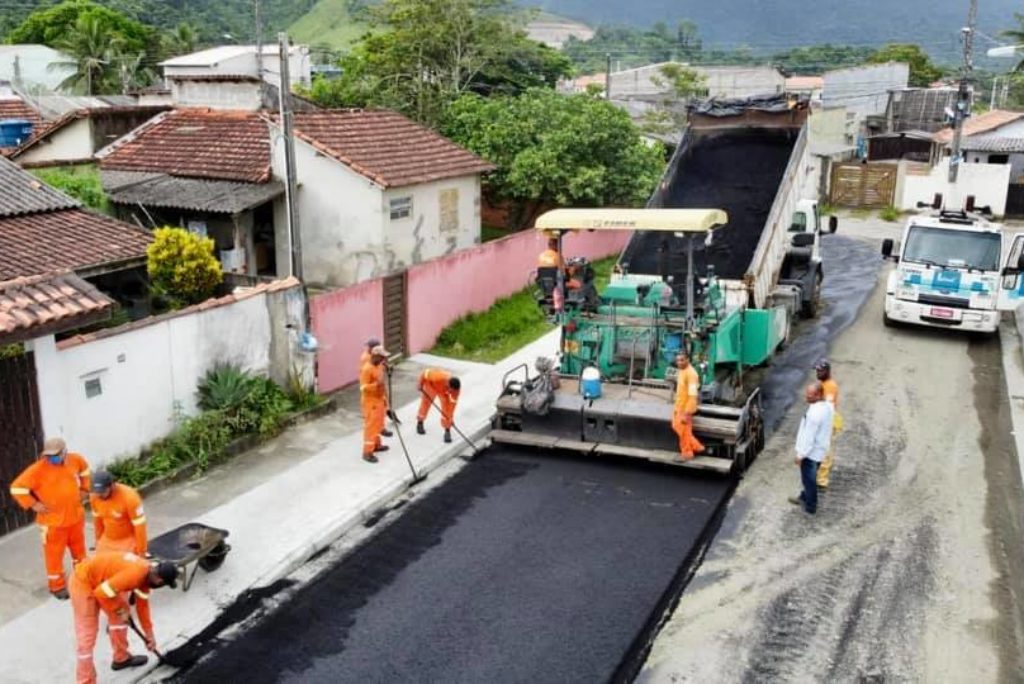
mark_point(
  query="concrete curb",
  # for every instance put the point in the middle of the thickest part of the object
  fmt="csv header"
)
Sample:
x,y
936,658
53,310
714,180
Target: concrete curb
x,y
330,533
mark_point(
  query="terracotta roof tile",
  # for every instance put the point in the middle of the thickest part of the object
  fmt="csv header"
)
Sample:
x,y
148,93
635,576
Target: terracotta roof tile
x,y
70,239
989,121
386,147
16,108
196,143
48,303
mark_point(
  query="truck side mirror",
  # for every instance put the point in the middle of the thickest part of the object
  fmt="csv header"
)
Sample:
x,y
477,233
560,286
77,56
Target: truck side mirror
x,y
887,245
803,239
833,224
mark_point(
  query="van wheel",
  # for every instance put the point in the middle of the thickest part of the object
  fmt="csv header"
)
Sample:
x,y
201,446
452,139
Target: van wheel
x,y
888,322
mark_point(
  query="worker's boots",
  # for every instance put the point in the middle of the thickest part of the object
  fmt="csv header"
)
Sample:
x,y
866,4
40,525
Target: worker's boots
x,y
61,594
447,436
420,430
369,458
130,661
387,433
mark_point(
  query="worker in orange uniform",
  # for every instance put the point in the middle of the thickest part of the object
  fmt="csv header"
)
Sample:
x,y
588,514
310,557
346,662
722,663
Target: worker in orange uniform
x,y
374,402
364,359
118,516
442,385
550,258
823,370
687,391
102,582
53,487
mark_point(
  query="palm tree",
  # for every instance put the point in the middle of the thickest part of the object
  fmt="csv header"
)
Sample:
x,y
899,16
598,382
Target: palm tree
x,y
130,70
1016,36
181,41
91,46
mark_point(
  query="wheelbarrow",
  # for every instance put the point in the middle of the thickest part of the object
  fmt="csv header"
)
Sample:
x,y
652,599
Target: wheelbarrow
x,y
191,544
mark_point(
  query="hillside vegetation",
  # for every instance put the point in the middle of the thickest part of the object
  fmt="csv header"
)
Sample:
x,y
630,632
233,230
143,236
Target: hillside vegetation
x,y
330,24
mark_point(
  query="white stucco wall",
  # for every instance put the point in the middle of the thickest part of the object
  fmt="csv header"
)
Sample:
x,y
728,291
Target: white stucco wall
x,y
919,182
419,237
721,81
217,94
71,143
828,127
864,90
148,376
241,60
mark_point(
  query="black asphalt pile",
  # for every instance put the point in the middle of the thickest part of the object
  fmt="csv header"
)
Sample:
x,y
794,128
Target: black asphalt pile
x,y
522,567
736,170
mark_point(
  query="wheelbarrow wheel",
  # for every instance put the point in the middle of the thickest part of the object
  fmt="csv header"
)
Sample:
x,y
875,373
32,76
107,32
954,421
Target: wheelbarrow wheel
x,y
215,558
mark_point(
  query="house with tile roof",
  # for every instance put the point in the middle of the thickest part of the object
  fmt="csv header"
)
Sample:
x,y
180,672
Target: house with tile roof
x,y
376,191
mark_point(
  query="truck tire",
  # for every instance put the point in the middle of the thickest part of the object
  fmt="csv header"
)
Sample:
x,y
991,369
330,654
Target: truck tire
x,y
888,322
812,307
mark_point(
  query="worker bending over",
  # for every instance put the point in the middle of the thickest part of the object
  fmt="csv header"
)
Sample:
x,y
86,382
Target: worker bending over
x,y
823,370
118,516
687,392
52,487
103,582
373,400
442,385
364,359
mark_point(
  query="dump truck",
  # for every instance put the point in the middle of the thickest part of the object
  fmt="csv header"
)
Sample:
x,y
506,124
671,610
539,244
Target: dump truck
x,y
724,257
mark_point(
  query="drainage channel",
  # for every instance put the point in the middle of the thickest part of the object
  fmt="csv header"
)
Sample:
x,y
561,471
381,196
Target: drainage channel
x,y
522,566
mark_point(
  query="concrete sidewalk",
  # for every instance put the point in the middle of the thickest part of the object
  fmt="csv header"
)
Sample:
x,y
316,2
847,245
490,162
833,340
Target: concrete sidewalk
x,y
283,502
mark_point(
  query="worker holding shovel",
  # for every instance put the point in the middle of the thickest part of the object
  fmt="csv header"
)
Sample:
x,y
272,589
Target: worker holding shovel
x,y
101,583
439,384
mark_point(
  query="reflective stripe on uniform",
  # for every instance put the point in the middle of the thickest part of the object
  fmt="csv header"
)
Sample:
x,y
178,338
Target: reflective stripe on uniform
x,y
141,520
85,656
113,627
108,590
142,594
84,473
693,388
20,491
54,576
42,531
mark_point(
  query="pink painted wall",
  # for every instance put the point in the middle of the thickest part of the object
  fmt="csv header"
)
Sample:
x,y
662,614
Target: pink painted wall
x,y
342,321
442,290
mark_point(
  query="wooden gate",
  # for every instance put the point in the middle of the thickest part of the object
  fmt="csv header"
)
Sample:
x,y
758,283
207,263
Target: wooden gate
x,y
863,185
21,430
394,313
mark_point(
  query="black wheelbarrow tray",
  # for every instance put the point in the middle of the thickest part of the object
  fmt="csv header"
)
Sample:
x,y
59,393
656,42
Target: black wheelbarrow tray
x,y
191,543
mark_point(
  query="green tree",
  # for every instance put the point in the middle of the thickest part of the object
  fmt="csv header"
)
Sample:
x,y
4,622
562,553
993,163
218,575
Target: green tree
x,y
182,266
423,54
552,149
81,182
181,41
923,72
51,25
92,49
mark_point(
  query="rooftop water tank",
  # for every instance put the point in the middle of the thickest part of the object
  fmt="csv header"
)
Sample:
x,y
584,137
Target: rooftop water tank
x,y
14,132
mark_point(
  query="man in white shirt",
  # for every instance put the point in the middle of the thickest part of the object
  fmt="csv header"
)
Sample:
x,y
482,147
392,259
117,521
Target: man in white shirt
x,y
812,443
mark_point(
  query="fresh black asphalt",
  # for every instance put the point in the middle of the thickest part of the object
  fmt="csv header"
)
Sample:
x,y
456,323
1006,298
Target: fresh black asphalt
x,y
522,567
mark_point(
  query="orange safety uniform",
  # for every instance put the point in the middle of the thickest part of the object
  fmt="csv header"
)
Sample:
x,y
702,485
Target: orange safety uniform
x,y
59,488
120,520
434,383
687,391
103,582
549,258
831,392
373,400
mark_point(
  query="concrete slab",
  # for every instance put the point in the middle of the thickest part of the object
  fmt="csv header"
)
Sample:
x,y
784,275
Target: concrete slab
x,y
282,503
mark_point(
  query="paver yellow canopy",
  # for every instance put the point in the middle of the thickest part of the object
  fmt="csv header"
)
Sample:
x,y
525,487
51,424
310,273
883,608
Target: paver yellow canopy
x,y
665,220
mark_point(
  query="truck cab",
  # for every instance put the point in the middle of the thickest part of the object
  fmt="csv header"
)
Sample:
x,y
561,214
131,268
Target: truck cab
x,y
949,272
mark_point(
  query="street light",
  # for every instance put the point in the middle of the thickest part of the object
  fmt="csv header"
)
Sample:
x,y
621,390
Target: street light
x,y
1004,51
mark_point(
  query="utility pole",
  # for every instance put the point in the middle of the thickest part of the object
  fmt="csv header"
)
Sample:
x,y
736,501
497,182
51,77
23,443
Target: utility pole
x,y
259,42
291,186
963,99
608,77
992,96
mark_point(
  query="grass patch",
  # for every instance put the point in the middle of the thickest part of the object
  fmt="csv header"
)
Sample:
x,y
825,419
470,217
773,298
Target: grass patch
x,y
512,322
81,182
889,213
328,24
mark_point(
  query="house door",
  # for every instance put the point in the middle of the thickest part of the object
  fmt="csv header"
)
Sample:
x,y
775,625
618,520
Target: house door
x,y
21,427
394,313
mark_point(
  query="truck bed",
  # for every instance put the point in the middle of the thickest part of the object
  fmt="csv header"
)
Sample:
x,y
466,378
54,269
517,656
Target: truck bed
x,y
735,169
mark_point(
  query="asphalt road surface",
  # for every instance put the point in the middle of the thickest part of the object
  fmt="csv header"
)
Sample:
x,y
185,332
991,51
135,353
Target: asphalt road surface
x,y
519,568
912,569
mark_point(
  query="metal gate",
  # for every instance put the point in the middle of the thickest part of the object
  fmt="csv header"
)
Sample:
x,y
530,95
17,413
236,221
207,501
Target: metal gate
x,y
394,313
863,185
21,430
1015,201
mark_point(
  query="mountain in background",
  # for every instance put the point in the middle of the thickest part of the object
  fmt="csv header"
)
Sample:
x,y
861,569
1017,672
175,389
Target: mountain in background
x,y
770,26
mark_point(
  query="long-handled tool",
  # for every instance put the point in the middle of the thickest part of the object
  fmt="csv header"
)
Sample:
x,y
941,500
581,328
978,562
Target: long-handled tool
x,y
416,477
454,426
135,628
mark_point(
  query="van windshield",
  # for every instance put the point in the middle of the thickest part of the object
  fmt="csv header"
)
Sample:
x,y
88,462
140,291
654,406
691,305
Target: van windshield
x,y
950,248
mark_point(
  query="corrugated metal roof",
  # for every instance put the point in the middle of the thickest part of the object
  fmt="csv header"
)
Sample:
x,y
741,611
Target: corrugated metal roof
x,y
161,190
23,193
993,143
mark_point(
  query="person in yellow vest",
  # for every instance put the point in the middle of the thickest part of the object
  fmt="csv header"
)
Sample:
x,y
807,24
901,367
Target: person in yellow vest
x,y
823,370
687,393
